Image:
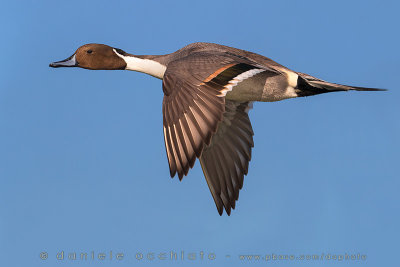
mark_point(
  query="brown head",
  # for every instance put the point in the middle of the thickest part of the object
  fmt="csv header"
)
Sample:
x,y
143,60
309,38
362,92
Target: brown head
x,y
94,57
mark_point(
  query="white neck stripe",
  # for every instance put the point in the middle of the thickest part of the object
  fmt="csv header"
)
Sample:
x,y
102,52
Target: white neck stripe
x,y
147,66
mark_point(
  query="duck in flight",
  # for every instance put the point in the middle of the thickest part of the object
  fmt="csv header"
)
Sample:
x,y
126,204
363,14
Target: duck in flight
x,y
208,91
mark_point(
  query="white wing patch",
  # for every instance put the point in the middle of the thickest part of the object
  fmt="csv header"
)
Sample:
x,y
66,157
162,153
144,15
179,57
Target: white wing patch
x,y
238,79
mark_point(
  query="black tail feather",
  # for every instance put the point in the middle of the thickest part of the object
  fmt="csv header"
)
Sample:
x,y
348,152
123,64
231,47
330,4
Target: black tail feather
x,y
308,85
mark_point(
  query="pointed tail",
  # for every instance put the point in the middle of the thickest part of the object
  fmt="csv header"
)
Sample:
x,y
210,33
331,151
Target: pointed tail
x,y
308,85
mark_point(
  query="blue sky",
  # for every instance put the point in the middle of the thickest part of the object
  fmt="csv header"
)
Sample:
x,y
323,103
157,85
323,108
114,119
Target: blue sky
x,y
82,160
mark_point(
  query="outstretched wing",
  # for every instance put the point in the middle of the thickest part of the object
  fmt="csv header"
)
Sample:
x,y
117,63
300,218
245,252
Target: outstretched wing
x,y
194,89
226,159
194,106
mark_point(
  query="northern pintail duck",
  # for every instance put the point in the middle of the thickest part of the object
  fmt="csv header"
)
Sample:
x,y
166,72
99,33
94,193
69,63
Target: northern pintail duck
x,y
208,91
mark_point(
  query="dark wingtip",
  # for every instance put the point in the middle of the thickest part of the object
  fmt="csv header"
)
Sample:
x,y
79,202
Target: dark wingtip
x,y
220,210
228,212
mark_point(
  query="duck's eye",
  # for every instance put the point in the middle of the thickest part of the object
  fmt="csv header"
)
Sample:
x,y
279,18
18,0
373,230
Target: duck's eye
x,y
89,51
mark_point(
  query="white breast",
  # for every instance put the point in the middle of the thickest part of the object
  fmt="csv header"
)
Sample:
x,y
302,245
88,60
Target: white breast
x,y
147,66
